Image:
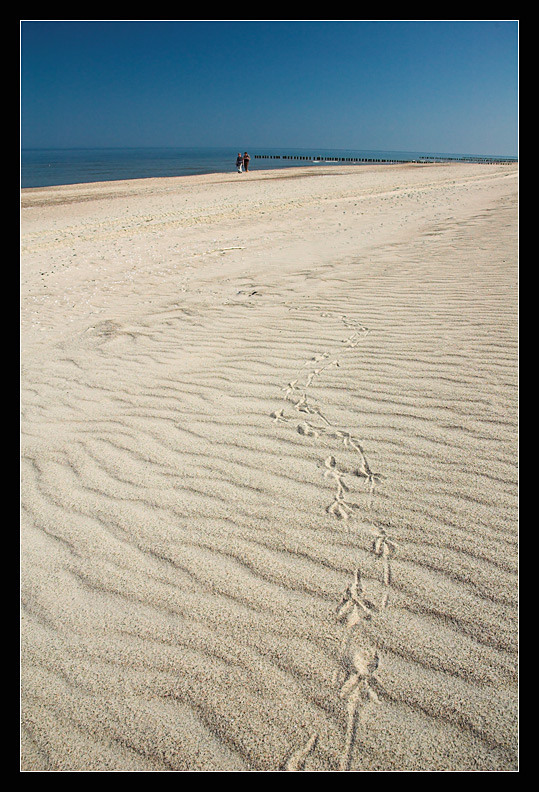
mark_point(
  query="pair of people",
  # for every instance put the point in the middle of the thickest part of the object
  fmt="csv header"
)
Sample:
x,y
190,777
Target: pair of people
x,y
242,161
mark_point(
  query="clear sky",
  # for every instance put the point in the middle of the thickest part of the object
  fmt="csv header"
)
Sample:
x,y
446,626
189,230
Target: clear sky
x,y
434,86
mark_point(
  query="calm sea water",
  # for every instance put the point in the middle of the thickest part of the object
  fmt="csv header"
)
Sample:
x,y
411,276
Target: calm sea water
x,y
49,167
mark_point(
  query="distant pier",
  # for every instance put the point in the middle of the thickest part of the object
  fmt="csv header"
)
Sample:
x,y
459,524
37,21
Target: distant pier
x,y
329,160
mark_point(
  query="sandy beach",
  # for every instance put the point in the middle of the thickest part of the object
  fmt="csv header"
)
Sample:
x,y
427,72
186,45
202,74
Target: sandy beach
x,y
269,471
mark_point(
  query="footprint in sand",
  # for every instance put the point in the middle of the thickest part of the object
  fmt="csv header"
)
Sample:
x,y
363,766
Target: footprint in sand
x,y
358,660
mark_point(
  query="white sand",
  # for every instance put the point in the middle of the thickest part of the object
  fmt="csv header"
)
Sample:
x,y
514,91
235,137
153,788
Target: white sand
x,y
269,471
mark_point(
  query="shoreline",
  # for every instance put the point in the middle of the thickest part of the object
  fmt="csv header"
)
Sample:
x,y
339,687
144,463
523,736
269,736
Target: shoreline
x,y
272,173
269,471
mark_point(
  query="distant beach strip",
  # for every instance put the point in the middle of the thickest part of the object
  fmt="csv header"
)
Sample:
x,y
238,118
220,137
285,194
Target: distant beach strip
x,y
50,167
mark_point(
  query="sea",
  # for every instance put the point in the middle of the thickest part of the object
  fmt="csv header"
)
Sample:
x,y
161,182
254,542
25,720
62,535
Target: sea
x,y
53,167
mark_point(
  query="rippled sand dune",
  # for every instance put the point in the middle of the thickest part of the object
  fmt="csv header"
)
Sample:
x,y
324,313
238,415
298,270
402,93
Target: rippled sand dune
x,y
269,472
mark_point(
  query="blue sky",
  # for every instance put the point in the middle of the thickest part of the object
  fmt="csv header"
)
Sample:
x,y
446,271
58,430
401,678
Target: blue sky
x,y
437,86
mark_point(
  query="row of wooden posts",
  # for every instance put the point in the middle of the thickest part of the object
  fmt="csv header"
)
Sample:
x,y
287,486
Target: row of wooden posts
x,y
488,160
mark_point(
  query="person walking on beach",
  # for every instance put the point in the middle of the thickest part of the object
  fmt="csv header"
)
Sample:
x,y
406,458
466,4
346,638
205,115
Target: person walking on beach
x,y
239,162
246,160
